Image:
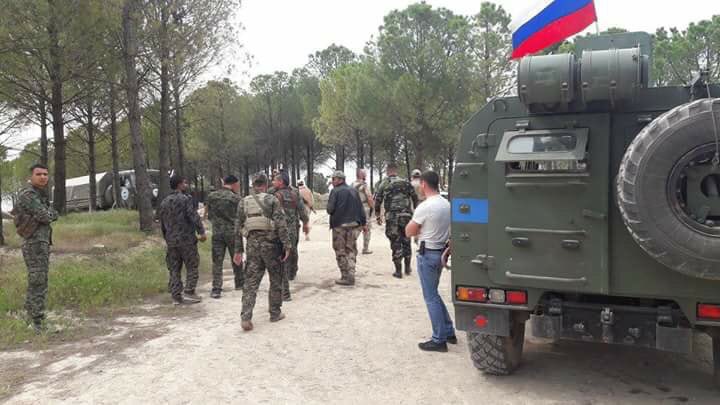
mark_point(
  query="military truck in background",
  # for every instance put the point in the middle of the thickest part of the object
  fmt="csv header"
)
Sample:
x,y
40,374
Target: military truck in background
x,y
78,190
589,204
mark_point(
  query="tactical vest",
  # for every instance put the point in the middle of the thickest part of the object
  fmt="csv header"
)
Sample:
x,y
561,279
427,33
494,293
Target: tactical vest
x,y
257,215
397,197
360,187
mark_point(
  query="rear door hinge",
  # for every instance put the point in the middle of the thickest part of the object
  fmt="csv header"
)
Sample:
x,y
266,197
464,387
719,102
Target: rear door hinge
x,y
482,141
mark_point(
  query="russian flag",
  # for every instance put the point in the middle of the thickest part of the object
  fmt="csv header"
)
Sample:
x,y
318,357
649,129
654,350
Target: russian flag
x,y
549,22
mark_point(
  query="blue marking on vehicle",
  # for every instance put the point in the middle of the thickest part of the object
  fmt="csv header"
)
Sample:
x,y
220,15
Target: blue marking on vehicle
x,y
470,210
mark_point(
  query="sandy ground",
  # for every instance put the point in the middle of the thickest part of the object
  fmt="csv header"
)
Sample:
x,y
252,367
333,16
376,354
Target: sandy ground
x,y
337,345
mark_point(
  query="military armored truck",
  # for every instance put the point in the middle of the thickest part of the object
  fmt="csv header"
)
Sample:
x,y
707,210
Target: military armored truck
x,y
78,190
589,205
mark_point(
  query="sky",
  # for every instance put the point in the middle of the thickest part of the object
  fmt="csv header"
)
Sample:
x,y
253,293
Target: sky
x,y
280,34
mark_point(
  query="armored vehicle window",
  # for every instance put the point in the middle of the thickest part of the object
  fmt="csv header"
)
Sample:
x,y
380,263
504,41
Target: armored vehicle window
x,y
542,151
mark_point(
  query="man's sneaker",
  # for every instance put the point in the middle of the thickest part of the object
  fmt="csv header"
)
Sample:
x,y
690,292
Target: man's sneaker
x,y
247,326
452,339
277,318
215,294
432,346
191,299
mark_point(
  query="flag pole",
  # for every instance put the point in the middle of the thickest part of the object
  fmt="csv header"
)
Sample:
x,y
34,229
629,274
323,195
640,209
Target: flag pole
x,y
597,28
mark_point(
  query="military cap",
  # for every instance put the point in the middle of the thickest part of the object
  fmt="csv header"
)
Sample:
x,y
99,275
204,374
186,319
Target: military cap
x,y
337,174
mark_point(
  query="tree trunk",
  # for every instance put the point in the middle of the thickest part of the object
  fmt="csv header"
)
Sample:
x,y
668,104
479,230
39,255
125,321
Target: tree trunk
x,y
43,131
340,157
2,236
293,156
142,182
407,157
92,185
310,160
114,146
372,167
56,107
451,164
178,131
248,179
164,137
360,149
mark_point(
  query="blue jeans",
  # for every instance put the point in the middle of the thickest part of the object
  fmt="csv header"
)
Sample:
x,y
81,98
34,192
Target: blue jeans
x,y
429,268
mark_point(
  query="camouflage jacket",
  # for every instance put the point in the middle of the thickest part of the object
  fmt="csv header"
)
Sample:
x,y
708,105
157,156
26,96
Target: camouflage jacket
x,y
33,211
179,220
272,210
222,209
294,208
396,195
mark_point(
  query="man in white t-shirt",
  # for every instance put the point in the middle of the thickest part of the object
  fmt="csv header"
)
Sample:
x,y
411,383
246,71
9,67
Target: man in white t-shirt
x,y
431,224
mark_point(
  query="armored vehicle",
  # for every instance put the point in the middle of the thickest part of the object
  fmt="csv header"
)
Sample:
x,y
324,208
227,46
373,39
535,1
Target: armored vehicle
x,y
589,205
78,190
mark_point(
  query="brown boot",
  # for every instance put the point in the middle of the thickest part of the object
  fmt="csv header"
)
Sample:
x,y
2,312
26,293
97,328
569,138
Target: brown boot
x,y
247,326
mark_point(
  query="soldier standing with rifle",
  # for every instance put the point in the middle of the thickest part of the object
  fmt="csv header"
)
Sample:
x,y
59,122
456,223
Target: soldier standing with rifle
x,y
368,204
179,222
295,212
33,216
222,209
261,218
399,199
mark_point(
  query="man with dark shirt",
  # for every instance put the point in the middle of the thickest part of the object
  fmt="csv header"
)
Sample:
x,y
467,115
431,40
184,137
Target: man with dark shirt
x,y
347,220
222,210
180,222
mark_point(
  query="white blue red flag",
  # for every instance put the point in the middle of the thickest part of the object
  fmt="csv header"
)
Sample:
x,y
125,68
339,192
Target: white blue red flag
x,y
547,22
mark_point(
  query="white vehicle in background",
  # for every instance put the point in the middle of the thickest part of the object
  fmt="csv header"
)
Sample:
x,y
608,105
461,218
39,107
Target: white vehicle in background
x,y
78,190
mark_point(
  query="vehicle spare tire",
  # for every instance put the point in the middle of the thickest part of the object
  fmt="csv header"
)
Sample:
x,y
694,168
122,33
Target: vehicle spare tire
x,y
668,189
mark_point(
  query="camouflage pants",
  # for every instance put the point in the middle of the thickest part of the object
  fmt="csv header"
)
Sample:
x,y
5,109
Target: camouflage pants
x,y
366,235
395,231
221,243
290,267
175,258
262,255
37,258
344,242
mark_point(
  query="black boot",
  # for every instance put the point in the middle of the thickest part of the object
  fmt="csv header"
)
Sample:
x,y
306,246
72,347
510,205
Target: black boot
x,y
408,269
398,269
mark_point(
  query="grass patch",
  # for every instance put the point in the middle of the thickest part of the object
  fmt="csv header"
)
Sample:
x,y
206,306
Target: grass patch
x,y
116,230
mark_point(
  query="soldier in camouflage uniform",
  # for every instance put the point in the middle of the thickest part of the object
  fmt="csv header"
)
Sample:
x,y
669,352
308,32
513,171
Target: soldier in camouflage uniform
x,y
261,218
399,199
368,204
222,209
295,213
180,222
33,216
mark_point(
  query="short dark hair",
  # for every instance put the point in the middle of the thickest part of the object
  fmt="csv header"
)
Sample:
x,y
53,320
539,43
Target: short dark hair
x,y
176,180
230,179
282,176
260,180
431,179
392,166
37,166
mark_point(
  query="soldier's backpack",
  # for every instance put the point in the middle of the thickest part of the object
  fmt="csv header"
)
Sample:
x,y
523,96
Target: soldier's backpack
x,y
25,224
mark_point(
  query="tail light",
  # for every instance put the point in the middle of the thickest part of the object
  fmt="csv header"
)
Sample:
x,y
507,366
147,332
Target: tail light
x,y
516,297
471,294
708,311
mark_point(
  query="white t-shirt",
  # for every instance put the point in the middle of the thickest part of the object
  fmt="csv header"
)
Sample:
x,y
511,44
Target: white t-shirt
x,y
433,216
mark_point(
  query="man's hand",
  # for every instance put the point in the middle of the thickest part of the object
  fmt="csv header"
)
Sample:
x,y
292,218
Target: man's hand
x,y
287,256
379,221
238,259
306,228
365,229
202,238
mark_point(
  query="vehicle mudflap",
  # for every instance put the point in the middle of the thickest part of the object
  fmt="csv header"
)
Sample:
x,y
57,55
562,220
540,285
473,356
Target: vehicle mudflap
x,y
488,321
674,339
546,326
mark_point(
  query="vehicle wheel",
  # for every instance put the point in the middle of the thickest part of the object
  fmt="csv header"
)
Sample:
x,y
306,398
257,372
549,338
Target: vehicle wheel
x,y
497,355
668,189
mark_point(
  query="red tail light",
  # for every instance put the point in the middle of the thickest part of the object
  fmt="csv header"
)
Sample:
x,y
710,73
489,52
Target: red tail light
x,y
516,297
708,311
471,294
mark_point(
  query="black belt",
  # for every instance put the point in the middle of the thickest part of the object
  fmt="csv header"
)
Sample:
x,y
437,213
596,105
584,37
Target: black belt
x,y
433,250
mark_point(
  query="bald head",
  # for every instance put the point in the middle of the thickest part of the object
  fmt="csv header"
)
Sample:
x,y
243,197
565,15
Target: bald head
x,y
361,174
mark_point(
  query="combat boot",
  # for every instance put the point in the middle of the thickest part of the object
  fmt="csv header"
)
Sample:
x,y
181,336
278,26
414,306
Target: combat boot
x,y
215,294
191,298
247,326
344,281
39,326
398,269
278,318
408,269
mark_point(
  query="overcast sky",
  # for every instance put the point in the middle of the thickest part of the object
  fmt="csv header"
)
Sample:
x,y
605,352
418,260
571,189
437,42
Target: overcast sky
x,y
280,34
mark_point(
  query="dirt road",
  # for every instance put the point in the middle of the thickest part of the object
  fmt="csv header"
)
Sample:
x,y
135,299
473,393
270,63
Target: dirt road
x,y
337,345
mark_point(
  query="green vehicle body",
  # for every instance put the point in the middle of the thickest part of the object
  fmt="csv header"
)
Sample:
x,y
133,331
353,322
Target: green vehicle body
x,y
558,235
